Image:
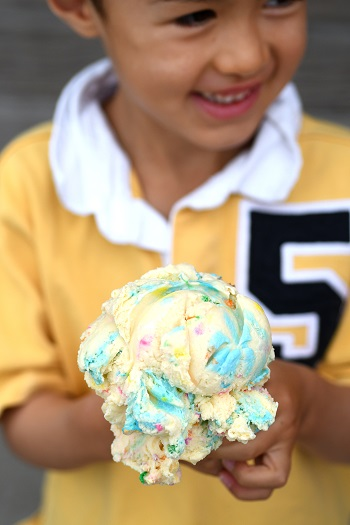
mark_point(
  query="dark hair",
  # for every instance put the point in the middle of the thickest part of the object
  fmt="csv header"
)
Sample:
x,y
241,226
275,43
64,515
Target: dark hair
x,y
98,5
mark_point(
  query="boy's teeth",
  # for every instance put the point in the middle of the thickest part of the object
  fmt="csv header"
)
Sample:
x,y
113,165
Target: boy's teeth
x,y
225,99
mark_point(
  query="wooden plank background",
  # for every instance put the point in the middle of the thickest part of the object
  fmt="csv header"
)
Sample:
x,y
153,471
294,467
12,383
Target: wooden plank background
x,y
38,55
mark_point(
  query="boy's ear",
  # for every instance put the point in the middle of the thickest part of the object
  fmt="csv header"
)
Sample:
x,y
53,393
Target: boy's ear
x,y
78,14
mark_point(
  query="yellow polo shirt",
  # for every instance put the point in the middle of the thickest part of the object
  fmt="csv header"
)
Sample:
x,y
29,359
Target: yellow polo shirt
x,y
56,270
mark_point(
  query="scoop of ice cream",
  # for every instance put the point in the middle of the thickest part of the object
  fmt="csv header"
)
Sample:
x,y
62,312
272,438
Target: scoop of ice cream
x,y
179,358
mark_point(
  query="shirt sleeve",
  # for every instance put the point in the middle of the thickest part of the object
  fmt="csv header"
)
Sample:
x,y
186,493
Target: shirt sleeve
x,y
28,360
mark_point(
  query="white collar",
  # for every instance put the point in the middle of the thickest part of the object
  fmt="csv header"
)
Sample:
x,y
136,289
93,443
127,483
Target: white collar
x,y
92,173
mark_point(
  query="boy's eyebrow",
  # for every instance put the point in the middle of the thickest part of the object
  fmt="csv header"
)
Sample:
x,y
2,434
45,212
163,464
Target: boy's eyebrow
x,y
182,1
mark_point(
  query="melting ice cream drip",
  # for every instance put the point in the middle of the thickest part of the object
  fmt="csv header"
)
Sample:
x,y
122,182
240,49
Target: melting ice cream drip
x,y
180,359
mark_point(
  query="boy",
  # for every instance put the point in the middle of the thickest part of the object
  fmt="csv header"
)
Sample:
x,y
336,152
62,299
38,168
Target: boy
x,y
197,153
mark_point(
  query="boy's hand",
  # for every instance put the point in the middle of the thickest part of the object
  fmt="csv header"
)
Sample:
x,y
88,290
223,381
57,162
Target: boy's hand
x,y
252,471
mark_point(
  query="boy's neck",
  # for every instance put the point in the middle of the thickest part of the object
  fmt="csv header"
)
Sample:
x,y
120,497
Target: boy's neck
x,y
167,169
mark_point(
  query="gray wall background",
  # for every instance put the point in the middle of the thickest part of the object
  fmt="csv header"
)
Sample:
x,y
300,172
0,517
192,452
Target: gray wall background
x,y
37,57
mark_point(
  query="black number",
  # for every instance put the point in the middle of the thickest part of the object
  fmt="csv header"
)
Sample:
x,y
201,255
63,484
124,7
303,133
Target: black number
x,y
269,232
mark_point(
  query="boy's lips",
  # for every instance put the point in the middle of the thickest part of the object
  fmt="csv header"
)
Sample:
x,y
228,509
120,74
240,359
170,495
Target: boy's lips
x,y
228,103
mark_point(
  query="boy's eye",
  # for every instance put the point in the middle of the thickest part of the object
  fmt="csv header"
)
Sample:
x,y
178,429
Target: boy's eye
x,y
278,3
196,19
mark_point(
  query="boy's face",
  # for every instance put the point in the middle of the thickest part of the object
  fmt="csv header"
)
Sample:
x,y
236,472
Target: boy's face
x,y
202,71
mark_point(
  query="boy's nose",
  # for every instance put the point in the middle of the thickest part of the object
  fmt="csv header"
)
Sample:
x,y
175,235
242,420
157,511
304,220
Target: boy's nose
x,y
241,51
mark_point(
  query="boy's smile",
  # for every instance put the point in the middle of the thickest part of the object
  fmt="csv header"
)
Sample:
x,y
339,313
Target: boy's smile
x,y
228,103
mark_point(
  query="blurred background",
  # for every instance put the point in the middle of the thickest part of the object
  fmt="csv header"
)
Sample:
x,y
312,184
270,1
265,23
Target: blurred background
x,y
38,55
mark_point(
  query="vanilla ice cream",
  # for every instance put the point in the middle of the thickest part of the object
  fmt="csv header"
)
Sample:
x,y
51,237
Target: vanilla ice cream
x,y
179,358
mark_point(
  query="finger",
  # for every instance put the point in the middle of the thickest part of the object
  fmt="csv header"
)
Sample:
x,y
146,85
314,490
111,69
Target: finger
x,y
240,492
270,471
